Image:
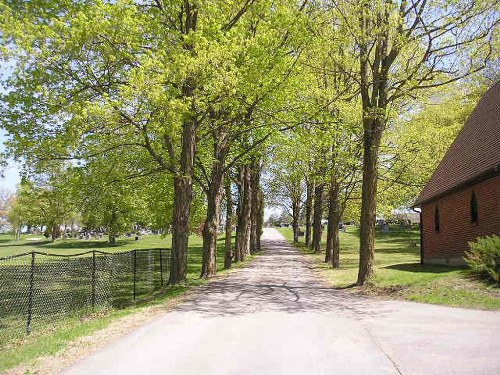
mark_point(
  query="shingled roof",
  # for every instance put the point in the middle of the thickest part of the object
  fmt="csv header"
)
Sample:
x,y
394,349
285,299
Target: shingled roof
x,y
475,153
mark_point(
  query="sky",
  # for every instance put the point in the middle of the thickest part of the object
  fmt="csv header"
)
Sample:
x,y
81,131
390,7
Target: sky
x,y
10,177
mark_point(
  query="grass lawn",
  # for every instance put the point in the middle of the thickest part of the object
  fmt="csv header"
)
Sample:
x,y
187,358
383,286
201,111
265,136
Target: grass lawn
x,y
46,342
28,243
399,274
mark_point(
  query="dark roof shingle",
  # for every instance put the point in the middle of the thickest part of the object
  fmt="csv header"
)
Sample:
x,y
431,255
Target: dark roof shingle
x,y
475,151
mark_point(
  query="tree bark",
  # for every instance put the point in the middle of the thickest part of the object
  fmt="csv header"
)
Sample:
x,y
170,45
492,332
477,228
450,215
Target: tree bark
x,y
239,226
371,144
309,206
255,207
112,229
55,232
295,221
229,214
374,117
244,216
318,213
183,188
214,199
248,210
260,219
334,217
183,179
211,226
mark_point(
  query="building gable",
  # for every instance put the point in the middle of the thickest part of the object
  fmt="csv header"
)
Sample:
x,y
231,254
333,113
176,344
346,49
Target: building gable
x,y
475,153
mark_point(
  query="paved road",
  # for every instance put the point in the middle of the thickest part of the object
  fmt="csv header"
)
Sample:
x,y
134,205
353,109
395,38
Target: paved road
x,y
275,317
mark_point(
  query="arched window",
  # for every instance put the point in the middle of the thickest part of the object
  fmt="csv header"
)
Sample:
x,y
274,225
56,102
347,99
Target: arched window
x,y
436,219
473,209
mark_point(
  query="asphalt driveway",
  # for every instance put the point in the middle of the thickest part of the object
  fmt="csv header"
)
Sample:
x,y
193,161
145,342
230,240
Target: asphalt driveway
x,y
276,317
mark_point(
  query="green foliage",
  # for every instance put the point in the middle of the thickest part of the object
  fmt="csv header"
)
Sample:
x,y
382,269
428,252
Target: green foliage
x,y
103,82
101,92
414,146
45,202
484,257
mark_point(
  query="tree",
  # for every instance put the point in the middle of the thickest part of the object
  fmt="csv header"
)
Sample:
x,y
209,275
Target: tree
x,y
285,184
139,77
44,201
106,199
402,48
412,147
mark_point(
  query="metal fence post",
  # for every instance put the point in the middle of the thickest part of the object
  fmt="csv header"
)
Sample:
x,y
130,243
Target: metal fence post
x,y
135,267
93,277
31,292
161,268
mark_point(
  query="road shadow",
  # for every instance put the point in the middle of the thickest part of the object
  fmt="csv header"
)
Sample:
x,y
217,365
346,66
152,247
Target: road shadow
x,y
279,280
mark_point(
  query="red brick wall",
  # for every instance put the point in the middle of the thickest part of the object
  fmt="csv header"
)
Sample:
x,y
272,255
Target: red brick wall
x,y
448,245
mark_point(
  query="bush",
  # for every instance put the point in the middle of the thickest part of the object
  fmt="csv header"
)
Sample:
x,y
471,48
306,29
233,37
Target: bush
x,y
484,257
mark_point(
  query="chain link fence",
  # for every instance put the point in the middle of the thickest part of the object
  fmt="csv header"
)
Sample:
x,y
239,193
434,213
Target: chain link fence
x,y
38,290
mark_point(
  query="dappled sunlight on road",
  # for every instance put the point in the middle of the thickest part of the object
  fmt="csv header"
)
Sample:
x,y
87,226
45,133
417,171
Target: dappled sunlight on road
x,y
281,279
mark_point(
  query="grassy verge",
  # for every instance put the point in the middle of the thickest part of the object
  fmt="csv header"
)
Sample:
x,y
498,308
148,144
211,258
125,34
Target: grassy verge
x,y
44,343
399,274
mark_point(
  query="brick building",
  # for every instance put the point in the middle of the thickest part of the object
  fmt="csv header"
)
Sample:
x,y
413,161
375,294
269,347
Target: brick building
x,y
461,201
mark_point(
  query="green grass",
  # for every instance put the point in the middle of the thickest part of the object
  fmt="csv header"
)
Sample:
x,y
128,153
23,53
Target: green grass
x,y
8,246
399,274
46,342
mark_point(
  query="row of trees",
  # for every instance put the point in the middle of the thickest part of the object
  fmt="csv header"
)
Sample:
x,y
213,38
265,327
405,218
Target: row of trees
x,y
303,190
391,62
184,101
75,197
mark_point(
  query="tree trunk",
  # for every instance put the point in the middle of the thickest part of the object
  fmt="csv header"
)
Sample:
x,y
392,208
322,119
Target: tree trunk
x,y
183,180
334,216
211,227
183,188
255,207
229,214
55,232
112,228
309,206
239,226
214,198
371,142
318,214
336,244
248,213
260,219
295,221
374,118
244,216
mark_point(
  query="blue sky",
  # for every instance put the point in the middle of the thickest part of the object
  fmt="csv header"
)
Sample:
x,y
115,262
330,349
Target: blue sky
x,y
11,174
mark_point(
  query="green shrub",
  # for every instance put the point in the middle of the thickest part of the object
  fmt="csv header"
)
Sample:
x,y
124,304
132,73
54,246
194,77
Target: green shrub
x,y
484,256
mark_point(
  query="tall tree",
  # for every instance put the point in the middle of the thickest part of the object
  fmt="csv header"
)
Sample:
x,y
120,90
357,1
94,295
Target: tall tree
x,y
403,47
